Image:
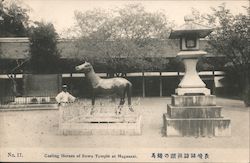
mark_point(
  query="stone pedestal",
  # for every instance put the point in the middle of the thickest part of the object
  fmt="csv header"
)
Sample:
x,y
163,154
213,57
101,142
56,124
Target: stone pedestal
x,y
76,121
195,116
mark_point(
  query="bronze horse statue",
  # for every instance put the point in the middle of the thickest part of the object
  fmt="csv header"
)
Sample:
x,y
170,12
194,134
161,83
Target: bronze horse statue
x,y
112,86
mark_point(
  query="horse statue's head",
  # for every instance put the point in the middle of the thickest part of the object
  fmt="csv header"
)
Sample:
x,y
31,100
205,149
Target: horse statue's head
x,y
85,67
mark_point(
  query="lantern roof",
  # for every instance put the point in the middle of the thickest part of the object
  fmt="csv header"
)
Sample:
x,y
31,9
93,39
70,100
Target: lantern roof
x,y
190,28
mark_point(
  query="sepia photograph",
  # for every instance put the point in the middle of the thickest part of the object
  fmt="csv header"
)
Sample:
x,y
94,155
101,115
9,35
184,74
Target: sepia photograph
x,y
125,81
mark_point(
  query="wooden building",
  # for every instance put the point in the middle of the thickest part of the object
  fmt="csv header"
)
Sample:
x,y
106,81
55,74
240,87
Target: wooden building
x,y
14,52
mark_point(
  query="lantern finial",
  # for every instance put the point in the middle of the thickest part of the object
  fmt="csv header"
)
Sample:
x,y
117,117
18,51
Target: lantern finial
x,y
189,18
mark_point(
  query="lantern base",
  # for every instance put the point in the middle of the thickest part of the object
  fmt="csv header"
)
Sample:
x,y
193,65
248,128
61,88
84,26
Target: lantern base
x,y
192,91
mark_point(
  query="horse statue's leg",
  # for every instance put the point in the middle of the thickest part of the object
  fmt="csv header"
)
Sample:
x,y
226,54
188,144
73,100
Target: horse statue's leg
x,y
129,94
122,101
93,102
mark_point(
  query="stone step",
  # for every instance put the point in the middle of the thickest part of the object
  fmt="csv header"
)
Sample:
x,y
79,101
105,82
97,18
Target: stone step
x,y
105,119
194,111
196,127
88,128
196,100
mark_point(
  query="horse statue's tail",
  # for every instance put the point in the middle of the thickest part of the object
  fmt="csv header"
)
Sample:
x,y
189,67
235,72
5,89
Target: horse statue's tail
x,y
129,94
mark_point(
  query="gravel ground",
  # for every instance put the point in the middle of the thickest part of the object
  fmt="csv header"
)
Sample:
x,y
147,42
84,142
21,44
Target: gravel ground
x,y
40,129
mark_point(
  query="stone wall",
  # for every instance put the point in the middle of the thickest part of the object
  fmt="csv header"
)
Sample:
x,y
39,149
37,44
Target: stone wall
x,y
42,84
6,91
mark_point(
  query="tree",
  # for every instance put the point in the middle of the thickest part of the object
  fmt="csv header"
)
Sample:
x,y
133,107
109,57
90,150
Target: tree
x,y
13,19
125,38
231,39
43,49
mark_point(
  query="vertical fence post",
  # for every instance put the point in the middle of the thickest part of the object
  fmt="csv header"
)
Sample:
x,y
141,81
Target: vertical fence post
x,y
71,82
143,84
160,85
214,88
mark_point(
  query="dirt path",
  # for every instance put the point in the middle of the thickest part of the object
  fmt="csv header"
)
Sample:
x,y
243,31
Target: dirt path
x,y
40,129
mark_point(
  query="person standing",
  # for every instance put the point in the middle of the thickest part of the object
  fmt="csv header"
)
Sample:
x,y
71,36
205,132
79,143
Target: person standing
x,y
64,96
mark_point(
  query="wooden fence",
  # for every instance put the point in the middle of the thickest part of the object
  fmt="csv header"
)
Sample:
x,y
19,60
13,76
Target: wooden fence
x,y
145,84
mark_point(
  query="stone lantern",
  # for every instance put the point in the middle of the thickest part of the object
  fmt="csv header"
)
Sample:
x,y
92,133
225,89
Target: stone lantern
x,y
189,35
193,110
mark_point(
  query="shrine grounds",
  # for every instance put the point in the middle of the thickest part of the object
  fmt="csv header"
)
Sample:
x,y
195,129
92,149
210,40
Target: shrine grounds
x,y
39,128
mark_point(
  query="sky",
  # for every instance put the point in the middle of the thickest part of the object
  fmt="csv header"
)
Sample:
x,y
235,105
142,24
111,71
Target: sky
x,y
61,12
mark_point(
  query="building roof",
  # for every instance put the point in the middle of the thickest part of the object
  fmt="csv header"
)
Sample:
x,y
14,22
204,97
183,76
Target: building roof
x,y
18,48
